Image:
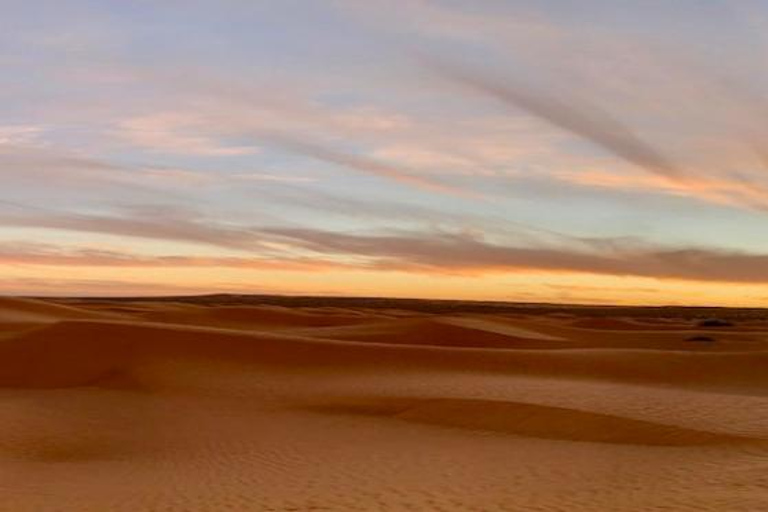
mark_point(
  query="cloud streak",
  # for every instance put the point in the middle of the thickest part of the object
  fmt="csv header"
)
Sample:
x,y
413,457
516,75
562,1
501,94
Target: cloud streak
x,y
166,226
736,192
465,253
26,254
588,122
436,253
365,165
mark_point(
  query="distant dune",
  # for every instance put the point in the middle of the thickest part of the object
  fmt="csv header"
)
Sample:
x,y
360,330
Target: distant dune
x,y
233,403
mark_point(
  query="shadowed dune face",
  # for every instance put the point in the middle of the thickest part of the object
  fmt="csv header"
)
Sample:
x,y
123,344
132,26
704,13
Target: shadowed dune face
x,y
174,405
536,421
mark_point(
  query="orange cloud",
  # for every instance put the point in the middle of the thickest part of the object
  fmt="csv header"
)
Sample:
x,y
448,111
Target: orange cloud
x,y
731,192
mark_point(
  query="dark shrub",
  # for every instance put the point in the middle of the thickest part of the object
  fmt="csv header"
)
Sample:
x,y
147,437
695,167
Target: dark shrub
x,y
714,322
701,339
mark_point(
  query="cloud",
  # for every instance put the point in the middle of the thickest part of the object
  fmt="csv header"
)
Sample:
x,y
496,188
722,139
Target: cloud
x,y
436,253
732,192
45,169
655,104
468,253
443,21
57,287
271,177
14,135
175,133
586,121
29,254
365,165
164,224
207,112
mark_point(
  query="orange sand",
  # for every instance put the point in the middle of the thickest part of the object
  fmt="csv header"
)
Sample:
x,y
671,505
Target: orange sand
x,y
170,406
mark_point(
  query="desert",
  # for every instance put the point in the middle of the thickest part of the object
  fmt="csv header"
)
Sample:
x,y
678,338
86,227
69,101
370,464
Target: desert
x,y
255,403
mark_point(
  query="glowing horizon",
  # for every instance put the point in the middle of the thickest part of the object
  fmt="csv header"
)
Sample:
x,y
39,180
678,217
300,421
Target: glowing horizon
x,y
516,151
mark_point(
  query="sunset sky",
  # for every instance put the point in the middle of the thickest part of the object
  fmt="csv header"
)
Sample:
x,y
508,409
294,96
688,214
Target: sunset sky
x,y
550,150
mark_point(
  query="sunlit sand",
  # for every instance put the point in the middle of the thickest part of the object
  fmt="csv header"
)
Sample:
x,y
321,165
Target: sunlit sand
x,y
238,405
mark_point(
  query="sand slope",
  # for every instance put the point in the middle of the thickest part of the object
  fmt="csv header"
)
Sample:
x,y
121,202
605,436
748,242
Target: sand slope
x,y
174,406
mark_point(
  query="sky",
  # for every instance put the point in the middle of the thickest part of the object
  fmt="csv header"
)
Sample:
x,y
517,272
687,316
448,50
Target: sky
x,y
591,151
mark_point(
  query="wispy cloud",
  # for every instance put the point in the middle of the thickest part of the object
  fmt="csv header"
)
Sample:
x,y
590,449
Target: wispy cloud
x,y
733,192
436,253
166,225
366,165
71,287
27,254
39,168
14,135
176,133
471,254
587,121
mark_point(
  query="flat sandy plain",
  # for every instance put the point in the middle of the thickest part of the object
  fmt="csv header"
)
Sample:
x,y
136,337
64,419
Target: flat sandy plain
x,y
238,403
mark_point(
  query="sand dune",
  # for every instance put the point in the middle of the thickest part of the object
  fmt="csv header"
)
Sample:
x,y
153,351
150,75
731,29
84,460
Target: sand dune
x,y
538,421
444,332
252,317
165,405
30,311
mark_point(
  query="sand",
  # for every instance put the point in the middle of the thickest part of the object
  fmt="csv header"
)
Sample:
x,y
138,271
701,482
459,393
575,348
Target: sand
x,y
164,406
